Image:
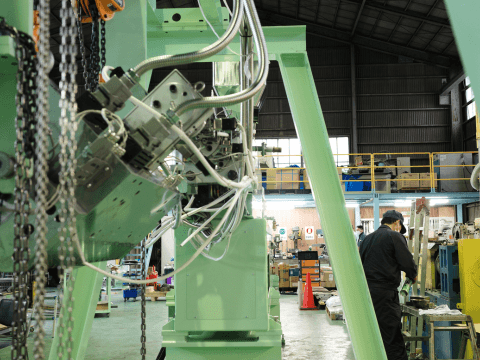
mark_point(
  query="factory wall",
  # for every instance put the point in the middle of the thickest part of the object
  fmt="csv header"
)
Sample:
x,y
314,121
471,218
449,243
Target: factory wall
x,y
397,101
440,211
301,217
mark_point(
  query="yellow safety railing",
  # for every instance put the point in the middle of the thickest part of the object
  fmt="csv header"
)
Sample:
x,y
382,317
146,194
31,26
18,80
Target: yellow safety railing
x,y
373,156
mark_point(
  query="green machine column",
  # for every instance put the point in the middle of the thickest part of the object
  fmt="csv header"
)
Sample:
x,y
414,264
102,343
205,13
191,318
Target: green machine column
x,y
20,15
86,290
328,195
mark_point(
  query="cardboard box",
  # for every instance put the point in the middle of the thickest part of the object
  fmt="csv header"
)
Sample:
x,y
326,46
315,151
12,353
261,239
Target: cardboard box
x,y
284,282
288,179
314,284
425,181
283,266
271,176
310,271
294,272
358,161
309,263
294,281
408,181
328,284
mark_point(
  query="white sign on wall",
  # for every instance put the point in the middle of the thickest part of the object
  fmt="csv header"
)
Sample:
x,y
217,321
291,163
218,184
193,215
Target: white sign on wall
x,y
309,233
283,233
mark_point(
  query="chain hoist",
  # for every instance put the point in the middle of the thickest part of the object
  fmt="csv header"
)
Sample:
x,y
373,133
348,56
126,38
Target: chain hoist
x,y
143,326
26,103
89,11
67,159
41,170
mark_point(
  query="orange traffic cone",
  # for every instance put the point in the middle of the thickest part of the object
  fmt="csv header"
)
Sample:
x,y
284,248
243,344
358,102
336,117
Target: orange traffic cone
x,y
308,303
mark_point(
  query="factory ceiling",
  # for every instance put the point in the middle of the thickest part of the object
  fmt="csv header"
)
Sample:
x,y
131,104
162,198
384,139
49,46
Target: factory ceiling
x,y
413,29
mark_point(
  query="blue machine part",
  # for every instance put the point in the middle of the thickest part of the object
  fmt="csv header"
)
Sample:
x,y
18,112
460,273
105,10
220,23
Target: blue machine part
x,y
449,272
130,294
356,185
447,343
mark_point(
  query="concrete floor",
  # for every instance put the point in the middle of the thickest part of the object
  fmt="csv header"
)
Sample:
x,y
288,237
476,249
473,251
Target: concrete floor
x,y
308,334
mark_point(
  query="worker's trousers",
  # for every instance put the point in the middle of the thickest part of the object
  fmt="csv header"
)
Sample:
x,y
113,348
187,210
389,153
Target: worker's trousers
x,y
389,314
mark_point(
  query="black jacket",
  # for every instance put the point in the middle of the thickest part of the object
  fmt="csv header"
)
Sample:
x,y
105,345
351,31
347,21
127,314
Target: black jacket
x,y
384,253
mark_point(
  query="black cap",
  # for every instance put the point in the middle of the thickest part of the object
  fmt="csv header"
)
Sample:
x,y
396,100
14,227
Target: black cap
x,y
398,216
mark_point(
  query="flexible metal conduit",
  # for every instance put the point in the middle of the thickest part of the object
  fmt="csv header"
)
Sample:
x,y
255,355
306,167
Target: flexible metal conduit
x,y
255,87
474,178
216,47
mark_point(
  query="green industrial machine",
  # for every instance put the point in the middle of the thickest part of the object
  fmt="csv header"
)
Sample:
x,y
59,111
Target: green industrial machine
x,y
223,306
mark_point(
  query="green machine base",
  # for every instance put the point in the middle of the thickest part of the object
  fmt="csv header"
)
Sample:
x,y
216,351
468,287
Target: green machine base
x,y
222,308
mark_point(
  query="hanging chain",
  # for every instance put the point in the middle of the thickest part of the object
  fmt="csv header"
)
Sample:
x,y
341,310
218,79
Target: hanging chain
x,y
143,326
93,68
41,169
24,125
81,40
68,146
103,41
94,56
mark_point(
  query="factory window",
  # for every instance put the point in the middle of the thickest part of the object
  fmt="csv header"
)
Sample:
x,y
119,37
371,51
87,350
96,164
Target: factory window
x,y
469,96
340,149
291,149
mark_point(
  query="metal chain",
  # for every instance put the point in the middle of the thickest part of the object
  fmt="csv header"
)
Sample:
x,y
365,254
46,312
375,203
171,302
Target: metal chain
x,y
94,56
81,40
143,326
104,43
41,170
24,124
68,90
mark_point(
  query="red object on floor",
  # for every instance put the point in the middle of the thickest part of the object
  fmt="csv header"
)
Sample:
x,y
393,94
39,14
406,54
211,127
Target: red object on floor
x,y
308,303
153,275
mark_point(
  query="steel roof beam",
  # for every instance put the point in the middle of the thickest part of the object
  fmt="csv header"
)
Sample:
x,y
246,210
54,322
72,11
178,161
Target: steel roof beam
x,y
362,41
358,18
413,15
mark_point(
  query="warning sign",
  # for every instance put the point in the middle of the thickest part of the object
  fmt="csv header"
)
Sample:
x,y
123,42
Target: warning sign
x,y
283,233
309,233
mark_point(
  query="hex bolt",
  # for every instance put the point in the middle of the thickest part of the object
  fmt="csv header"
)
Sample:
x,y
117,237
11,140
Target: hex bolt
x,y
107,168
89,186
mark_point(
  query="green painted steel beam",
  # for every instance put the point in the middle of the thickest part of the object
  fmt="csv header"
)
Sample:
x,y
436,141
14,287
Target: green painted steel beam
x,y
213,12
280,39
18,13
85,292
328,194
463,16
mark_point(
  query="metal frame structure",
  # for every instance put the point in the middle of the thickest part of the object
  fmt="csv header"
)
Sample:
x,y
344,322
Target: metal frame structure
x,y
413,313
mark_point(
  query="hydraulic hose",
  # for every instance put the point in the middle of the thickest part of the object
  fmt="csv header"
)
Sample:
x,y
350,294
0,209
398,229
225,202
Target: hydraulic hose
x,y
216,47
474,178
254,88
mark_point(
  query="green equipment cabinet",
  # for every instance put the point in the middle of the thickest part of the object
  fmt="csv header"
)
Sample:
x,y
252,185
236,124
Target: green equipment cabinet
x,y
222,307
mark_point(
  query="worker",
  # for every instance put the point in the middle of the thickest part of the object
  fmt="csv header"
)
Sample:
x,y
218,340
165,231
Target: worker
x,y
384,254
360,235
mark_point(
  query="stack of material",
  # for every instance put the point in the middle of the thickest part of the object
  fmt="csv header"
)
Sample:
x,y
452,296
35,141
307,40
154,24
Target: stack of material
x,y
334,308
294,276
284,275
311,267
326,278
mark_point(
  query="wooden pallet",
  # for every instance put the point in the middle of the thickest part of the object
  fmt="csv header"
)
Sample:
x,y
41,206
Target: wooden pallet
x,y
334,316
156,295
